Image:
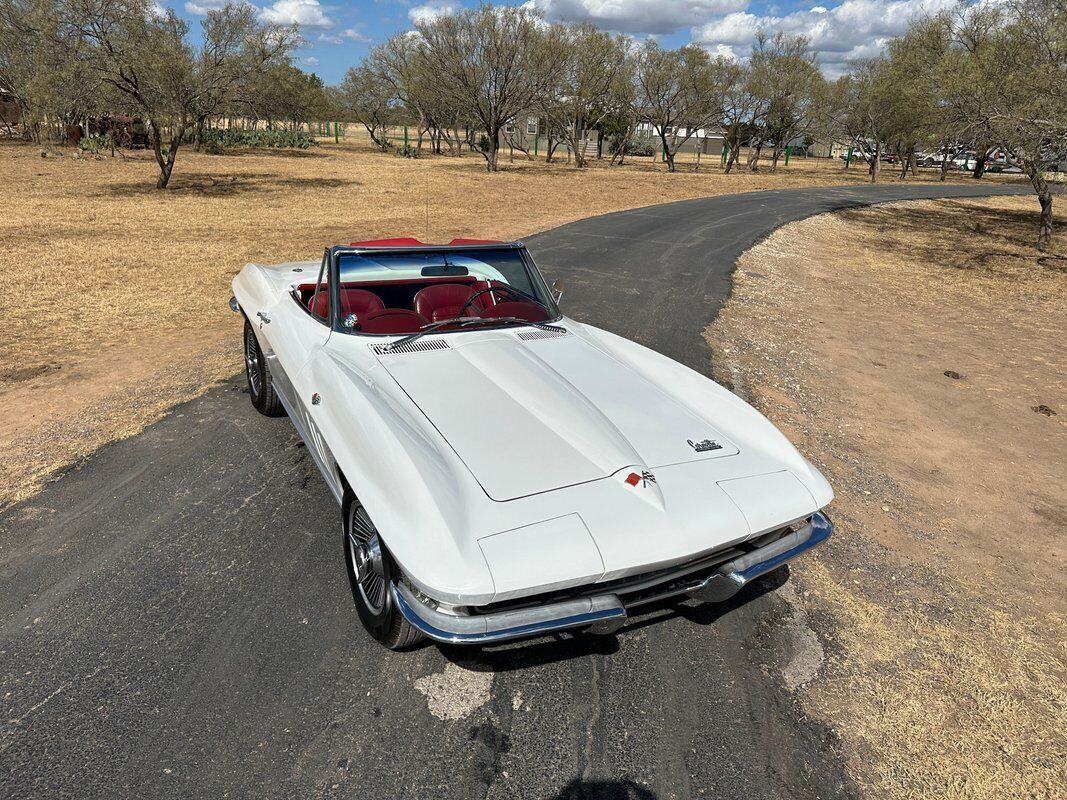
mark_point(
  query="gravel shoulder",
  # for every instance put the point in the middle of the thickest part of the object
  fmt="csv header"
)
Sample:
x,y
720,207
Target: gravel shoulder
x,y
915,352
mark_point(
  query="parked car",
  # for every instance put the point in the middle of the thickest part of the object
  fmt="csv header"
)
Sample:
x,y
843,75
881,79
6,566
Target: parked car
x,y
502,470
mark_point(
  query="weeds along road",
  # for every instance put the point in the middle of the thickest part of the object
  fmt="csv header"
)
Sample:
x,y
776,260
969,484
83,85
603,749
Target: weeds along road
x,y
175,619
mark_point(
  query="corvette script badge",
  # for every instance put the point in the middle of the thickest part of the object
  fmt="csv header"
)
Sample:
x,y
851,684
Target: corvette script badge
x,y
704,446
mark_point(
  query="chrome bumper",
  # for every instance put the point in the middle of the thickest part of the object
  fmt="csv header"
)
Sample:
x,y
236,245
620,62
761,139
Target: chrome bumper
x,y
604,613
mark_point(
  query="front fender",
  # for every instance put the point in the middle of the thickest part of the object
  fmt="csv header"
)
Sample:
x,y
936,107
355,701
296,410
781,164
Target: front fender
x,y
411,482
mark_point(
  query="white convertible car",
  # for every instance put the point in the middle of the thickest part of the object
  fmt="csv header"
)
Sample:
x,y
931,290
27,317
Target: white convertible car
x,y
504,471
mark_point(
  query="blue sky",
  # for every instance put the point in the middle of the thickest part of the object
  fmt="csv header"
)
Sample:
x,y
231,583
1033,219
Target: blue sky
x,y
339,34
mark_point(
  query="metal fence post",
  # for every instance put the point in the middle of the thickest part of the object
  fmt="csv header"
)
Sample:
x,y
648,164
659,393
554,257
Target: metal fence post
x,y
725,151
537,137
848,158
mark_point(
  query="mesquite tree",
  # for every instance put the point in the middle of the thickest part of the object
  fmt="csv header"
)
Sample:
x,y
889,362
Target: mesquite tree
x,y
44,66
368,97
593,67
1027,109
678,90
145,54
493,63
784,75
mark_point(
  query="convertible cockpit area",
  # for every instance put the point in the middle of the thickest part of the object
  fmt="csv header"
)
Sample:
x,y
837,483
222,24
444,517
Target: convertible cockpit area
x,y
402,287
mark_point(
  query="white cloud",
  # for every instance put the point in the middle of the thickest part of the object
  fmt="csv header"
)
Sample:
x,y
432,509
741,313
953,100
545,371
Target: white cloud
x,y
201,7
637,16
431,10
347,35
305,13
355,35
854,29
311,61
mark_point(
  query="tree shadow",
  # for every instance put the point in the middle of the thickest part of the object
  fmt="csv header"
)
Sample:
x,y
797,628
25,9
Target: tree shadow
x,y
202,184
271,152
579,789
523,654
931,233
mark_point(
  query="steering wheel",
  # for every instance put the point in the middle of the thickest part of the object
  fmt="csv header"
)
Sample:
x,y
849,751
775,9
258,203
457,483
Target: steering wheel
x,y
518,293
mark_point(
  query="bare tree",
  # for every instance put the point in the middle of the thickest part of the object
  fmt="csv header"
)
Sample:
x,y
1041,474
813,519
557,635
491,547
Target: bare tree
x,y
785,77
742,108
369,98
864,113
593,66
908,89
1025,114
144,53
43,66
282,95
677,92
493,63
415,87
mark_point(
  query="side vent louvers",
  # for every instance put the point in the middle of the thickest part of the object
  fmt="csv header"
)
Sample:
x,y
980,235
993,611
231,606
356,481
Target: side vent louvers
x,y
541,333
417,346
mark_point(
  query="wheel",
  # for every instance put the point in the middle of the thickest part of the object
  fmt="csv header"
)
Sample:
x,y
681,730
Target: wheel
x,y
260,388
371,570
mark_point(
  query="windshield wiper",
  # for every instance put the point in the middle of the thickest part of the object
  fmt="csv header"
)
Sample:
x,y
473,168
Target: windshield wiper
x,y
464,322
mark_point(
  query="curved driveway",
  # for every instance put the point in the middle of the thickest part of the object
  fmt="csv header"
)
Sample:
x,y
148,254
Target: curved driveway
x,y
175,619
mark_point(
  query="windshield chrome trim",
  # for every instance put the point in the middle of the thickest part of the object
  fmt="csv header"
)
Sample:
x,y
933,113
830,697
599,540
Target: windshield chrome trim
x,y
348,250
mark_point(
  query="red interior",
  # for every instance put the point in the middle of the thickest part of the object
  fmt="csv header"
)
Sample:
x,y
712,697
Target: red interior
x,y
403,306
353,301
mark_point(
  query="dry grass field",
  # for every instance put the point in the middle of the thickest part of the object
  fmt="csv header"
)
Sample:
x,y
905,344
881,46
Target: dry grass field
x,y
117,306
930,385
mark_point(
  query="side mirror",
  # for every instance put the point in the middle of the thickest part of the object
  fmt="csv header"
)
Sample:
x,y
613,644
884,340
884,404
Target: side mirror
x,y
557,289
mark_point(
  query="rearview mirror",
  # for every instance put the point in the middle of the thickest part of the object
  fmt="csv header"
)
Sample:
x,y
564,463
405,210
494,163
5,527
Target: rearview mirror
x,y
557,289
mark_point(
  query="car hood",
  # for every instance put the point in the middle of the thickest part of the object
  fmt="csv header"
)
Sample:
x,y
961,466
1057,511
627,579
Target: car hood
x,y
530,415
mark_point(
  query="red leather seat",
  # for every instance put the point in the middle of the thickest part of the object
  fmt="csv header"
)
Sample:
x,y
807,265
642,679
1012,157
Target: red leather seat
x,y
353,301
393,320
531,312
443,301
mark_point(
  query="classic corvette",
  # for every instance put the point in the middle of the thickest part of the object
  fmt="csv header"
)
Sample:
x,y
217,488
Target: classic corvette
x,y
502,470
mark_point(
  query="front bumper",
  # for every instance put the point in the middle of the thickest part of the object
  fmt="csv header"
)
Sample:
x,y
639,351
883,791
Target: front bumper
x,y
606,612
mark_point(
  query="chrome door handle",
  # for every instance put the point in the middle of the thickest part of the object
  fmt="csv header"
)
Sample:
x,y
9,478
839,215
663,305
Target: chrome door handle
x,y
263,316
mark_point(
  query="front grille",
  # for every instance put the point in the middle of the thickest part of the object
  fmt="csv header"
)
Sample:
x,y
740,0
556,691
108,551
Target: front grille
x,y
417,346
645,587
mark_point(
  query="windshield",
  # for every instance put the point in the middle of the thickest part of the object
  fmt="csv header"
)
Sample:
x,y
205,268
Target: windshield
x,y
506,266
414,289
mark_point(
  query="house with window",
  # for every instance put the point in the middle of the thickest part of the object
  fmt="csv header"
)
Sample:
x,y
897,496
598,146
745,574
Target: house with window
x,y
525,132
706,141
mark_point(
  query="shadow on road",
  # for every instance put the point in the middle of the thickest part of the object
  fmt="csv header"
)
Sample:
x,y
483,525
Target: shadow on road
x,y
579,789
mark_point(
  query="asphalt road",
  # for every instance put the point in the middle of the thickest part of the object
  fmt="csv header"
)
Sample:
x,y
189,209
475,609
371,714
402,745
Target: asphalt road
x,y
175,619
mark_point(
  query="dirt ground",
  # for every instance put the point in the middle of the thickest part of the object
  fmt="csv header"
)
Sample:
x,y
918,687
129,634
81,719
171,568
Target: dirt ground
x,y
915,352
118,302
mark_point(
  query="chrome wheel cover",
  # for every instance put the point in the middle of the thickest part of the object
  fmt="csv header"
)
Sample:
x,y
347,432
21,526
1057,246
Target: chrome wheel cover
x,y
252,362
365,557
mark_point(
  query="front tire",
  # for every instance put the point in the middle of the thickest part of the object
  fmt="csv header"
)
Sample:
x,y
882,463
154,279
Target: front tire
x,y
371,571
260,386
